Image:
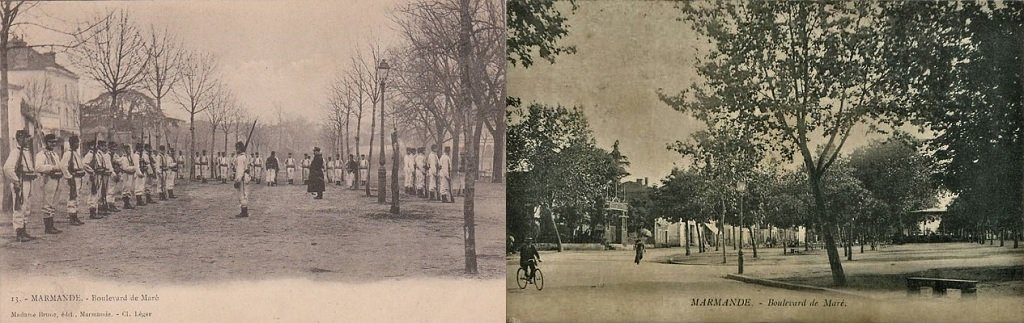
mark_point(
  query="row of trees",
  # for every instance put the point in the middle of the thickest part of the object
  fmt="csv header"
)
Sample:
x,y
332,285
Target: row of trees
x,y
423,86
791,74
444,82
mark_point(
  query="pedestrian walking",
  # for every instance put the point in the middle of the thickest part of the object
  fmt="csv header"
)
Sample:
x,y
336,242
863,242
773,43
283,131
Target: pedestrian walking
x,y
639,248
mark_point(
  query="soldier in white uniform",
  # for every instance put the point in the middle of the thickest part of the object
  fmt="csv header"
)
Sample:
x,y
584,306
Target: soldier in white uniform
x,y
48,165
421,172
19,171
289,165
432,173
339,170
408,170
197,166
205,167
138,158
129,166
223,172
171,174
110,178
91,165
444,171
181,161
257,167
71,166
364,170
241,178
305,169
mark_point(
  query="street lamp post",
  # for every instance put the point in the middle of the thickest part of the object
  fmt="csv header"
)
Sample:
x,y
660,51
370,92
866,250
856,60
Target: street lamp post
x,y
741,186
382,174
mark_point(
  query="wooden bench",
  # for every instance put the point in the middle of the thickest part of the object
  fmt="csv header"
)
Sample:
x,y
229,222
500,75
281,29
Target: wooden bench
x,y
968,288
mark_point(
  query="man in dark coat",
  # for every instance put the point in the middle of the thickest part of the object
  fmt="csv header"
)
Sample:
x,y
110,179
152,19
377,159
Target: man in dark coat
x,y
315,183
272,168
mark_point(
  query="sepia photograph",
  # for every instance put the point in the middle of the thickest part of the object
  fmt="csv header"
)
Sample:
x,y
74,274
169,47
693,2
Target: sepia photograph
x,y
733,161
252,161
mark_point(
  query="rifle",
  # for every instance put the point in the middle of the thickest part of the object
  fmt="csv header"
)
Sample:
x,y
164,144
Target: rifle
x,y
247,138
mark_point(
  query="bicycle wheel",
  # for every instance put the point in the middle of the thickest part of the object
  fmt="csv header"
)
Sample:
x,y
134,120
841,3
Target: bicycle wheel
x,y
521,278
538,280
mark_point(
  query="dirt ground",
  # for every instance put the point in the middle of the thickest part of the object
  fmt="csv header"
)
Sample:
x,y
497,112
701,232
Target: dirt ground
x,y
345,237
882,272
606,286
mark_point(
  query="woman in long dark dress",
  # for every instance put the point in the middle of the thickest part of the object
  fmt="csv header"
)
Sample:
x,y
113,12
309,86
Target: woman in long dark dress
x,y
316,175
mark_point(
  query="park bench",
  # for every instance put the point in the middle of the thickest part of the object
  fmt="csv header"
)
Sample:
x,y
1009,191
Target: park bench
x,y
968,288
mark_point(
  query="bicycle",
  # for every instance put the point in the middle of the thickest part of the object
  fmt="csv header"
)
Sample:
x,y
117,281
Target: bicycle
x,y
523,281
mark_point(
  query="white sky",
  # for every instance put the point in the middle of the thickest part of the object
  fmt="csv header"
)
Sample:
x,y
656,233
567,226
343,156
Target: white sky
x,y
270,52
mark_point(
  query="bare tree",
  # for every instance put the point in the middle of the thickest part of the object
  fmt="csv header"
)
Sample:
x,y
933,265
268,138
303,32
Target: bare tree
x,y
38,99
217,111
197,85
114,56
165,58
232,117
367,80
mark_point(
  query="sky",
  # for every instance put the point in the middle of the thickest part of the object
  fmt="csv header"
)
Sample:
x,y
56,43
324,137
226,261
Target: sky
x,y
626,51
271,53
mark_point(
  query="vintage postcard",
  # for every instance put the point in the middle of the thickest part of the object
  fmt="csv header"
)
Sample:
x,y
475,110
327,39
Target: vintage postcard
x,y
733,161
237,161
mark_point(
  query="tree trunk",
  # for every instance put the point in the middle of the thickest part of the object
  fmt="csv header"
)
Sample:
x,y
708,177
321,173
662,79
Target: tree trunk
x,y
498,162
192,145
827,226
550,213
214,165
687,240
700,237
5,120
753,240
732,237
721,232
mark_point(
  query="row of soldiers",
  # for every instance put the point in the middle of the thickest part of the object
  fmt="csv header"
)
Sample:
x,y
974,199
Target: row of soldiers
x,y
105,171
221,167
430,176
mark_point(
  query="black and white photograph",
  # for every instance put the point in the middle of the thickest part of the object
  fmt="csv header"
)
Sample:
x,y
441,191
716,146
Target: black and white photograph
x,y
252,161
734,161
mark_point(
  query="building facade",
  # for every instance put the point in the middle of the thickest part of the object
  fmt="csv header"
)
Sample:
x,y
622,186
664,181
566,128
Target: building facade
x,y
43,92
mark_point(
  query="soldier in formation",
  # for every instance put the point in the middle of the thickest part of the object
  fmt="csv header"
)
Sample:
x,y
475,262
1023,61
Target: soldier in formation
x,y
289,165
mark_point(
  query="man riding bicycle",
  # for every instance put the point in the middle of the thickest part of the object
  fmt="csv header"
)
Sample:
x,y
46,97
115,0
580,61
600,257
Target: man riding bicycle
x,y
529,257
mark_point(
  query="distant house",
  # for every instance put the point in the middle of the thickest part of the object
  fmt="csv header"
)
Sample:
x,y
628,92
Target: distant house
x,y
43,92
